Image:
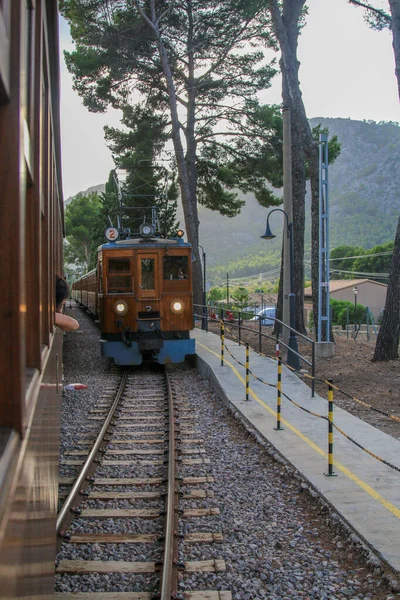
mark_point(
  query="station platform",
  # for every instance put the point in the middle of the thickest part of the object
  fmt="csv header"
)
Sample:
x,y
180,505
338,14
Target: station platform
x,y
364,491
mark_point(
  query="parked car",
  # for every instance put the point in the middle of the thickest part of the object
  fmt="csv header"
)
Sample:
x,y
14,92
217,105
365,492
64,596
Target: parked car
x,y
266,315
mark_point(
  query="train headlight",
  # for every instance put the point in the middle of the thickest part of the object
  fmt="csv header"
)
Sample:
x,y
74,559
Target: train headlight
x,y
146,230
120,308
176,306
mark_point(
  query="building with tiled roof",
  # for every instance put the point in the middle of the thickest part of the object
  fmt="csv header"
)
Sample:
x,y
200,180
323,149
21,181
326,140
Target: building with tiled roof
x,y
369,293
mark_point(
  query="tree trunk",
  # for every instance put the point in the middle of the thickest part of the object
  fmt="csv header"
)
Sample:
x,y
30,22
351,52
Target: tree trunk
x,y
387,343
190,157
299,191
395,12
286,26
185,175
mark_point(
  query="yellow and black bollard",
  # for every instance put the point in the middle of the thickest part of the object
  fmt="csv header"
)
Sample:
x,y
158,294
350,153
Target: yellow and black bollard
x,y
247,371
330,472
222,341
279,394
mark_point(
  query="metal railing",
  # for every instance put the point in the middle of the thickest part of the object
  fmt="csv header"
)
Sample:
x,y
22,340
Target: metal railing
x,y
237,318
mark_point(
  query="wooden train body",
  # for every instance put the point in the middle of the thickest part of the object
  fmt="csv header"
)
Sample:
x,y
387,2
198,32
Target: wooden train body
x,y
31,217
141,293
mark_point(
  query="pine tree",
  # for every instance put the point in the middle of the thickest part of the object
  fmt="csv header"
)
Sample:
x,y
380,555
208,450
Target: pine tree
x,y
387,342
200,64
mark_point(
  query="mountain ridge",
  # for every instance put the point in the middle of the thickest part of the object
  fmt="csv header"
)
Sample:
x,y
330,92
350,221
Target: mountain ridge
x,y
364,191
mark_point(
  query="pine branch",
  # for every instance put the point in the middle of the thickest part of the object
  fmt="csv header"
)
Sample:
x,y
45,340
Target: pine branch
x,y
382,14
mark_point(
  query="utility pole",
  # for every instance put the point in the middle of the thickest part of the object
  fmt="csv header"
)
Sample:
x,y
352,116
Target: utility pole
x,y
288,208
227,288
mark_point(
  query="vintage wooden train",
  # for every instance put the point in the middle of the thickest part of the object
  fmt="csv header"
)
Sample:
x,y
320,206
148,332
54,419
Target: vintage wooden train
x,y
141,293
31,217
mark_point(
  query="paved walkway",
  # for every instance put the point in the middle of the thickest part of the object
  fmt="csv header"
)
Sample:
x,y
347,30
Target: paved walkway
x,y
365,492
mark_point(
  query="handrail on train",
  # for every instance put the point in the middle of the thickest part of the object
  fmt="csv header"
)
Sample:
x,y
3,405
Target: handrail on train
x,y
213,313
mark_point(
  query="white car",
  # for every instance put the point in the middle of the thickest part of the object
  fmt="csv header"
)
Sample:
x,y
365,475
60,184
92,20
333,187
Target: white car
x,y
266,315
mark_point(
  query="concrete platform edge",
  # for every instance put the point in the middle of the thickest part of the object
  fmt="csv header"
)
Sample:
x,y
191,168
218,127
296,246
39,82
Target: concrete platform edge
x,y
365,546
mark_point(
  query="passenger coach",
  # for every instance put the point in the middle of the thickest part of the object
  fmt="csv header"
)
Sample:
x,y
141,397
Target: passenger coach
x,y
31,217
141,292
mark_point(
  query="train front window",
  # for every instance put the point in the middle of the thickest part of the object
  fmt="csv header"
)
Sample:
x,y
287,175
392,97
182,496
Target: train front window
x,y
175,267
147,270
120,279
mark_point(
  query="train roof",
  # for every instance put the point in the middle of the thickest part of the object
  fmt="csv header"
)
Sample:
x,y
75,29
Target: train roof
x,y
141,242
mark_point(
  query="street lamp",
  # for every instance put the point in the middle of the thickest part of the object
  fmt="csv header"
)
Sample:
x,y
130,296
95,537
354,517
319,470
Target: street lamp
x,y
204,319
355,291
293,359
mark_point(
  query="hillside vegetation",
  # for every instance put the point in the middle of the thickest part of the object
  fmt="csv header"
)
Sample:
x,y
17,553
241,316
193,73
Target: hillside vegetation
x,y
364,205
364,182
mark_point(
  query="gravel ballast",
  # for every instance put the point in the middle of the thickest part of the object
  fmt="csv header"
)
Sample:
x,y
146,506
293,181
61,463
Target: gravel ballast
x,y
279,542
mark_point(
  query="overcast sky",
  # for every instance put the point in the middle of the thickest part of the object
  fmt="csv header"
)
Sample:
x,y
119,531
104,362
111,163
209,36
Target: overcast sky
x,y
347,70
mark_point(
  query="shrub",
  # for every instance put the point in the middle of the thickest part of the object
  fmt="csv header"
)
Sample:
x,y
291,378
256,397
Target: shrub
x,y
339,310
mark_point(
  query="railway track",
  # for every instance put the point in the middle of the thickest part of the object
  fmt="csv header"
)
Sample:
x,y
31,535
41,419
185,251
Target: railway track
x,y
120,524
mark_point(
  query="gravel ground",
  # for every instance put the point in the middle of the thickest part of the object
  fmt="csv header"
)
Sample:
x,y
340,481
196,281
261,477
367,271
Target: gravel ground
x,y
279,542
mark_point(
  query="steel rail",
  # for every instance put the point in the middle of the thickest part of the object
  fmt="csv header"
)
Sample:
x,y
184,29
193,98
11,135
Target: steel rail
x,y
80,481
169,578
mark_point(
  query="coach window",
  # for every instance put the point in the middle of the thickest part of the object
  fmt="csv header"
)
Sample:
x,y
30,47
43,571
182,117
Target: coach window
x,y
147,270
120,279
100,279
175,267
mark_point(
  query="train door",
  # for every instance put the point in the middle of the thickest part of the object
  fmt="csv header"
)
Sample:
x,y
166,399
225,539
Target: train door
x,y
148,276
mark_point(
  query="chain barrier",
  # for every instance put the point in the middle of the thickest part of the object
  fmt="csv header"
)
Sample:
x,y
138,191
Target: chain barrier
x,y
250,371
378,410
261,380
310,412
382,460
241,343
329,418
234,357
339,390
245,366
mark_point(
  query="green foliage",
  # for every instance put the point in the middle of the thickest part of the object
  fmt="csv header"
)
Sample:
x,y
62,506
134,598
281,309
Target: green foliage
x,y
247,266
376,17
245,160
343,312
241,297
372,262
338,266
82,221
334,146
148,182
216,294
216,55
377,260
355,315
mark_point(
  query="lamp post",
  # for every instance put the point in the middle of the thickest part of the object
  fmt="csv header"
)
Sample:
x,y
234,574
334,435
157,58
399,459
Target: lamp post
x,y
204,319
293,359
355,291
